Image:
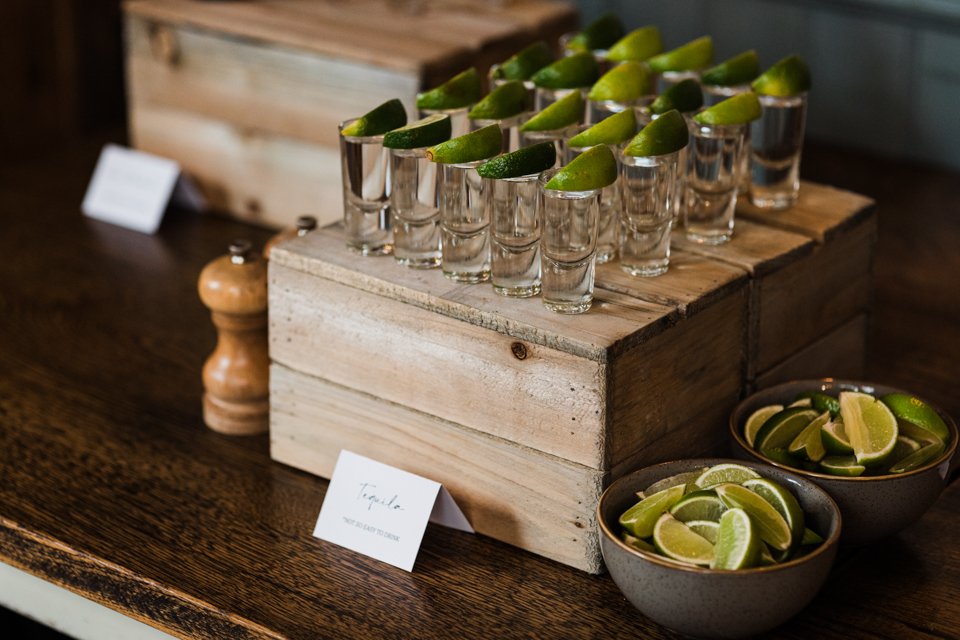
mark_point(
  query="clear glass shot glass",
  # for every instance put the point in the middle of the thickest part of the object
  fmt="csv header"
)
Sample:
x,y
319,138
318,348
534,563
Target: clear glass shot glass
x,y
464,223
364,168
712,94
568,247
459,122
544,97
713,178
515,235
610,207
414,209
648,186
558,137
776,140
509,126
645,117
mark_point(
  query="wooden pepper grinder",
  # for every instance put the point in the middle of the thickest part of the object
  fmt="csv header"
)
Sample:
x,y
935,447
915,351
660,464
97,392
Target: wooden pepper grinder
x,y
236,400
304,225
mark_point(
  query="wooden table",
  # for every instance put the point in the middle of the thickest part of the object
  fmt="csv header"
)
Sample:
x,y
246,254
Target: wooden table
x,y
111,486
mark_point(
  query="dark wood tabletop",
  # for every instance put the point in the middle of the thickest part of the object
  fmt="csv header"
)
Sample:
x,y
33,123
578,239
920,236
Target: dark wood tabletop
x,y
111,485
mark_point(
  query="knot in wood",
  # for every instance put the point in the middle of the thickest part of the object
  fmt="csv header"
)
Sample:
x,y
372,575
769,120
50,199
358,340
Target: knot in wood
x,y
519,350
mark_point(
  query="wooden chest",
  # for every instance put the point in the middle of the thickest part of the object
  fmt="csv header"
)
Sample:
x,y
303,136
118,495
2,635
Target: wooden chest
x,y
247,95
525,415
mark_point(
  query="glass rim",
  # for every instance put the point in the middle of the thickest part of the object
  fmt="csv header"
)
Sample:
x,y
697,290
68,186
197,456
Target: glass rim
x,y
801,97
473,164
509,121
457,110
656,160
529,177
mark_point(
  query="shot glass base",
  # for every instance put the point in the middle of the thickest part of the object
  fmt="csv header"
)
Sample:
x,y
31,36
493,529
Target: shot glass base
x,y
708,238
370,250
569,308
773,202
468,277
650,270
418,263
521,291
605,255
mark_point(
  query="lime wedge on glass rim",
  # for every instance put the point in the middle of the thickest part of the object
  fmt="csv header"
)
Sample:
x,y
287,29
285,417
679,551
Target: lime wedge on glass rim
x,y
738,542
613,130
577,71
788,77
388,116
772,527
739,109
522,162
481,144
564,112
524,63
599,34
666,134
679,542
691,56
505,101
740,69
685,96
461,90
870,425
756,420
425,132
641,518
640,44
624,83
595,168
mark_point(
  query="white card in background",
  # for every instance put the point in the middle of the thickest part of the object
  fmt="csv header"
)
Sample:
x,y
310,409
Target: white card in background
x,y
130,188
381,511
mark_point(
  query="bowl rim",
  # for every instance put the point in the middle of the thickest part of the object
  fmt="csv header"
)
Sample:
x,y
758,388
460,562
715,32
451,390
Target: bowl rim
x,y
946,456
829,542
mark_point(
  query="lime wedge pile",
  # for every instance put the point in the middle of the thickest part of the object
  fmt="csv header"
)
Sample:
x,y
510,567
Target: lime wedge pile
x,y
525,63
388,116
462,90
853,434
723,517
599,34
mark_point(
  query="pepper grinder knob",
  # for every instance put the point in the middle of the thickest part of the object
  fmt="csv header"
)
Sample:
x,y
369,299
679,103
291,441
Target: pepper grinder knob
x,y
303,226
236,380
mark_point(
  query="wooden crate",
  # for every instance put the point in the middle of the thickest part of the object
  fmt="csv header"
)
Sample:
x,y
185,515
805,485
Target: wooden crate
x,y
247,95
525,415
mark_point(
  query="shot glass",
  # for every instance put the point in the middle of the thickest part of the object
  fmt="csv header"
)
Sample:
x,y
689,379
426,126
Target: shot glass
x,y
459,122
648,187
610,207
712,94
558,137
509,126
364,168
414,209
713,177
776,140
568,246
515,237
464,223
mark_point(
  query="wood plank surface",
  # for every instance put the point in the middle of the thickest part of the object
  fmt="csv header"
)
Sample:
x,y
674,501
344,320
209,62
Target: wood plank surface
x,y
512,493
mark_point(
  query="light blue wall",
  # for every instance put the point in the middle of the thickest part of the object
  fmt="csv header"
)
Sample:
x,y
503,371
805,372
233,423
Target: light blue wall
x,y
886,72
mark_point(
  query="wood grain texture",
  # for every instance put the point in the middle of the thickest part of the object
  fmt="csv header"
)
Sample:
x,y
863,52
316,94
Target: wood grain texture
x,y
105,461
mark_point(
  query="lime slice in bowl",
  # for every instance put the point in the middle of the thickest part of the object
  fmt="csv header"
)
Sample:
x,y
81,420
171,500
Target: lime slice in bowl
x,y
780,430
846,466
388,116
738,542
705,528
870,425
922,457
835,439
727,472
773,527
698,505
684,479
641,518
915,411
809,443
780,498
677,541
756,420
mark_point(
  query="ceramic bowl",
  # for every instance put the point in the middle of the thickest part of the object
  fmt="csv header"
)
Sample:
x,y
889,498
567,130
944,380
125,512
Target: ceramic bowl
x,y
715,603
873,507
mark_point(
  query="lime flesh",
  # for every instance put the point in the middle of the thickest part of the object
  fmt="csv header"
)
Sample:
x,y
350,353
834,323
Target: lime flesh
x,y
677,541
773,527
756,420
640,44
459,91
835,440
685,478
698,505
783,501
870,425
738,542
727,472
782,428
809,443
705,528
641,518
624,83
842,466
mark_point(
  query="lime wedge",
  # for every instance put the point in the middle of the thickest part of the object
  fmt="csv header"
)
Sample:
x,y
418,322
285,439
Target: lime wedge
x,y
676,540
809,443
698,505
564,112
477,145
506,101
780,455
599,34
613,130
810,537
923,456
576,71
739,109
523,64
904,447
822,402
637,543
425,132
685,478
740,69
773,528
835,439
595,168
801,402
705,528
726,472
738,542
522,162
782,428
666,134
783,501
691,56
915,411
459,91
638,45
842,466
756,420
640,519
921,435
387,117
685,96
788,77
765,558
870,425
624,83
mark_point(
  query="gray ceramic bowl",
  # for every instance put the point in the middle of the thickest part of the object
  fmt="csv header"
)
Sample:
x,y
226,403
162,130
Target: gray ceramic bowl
x,y
715,603
873,507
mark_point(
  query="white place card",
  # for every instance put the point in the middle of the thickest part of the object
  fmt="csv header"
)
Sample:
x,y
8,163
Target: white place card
x,y
131,188
381,511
